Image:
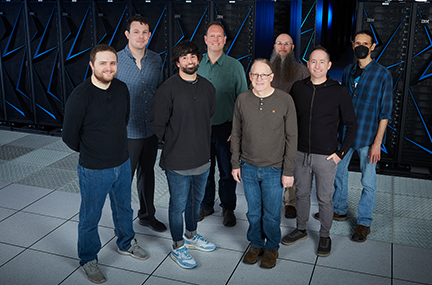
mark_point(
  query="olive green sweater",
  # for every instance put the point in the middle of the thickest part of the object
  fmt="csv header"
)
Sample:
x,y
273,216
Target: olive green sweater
x,y
264,132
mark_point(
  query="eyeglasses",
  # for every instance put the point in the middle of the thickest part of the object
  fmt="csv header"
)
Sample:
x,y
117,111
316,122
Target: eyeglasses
x,y
262,76
285,44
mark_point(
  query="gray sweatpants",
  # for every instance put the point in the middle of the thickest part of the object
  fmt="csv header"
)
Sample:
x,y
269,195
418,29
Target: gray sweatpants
x,y
324,170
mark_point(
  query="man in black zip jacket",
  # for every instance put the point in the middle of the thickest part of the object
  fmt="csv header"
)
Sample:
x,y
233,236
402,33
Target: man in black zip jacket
x,y
320,103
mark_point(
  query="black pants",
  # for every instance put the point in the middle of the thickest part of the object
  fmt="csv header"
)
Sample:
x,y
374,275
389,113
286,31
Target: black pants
x,y
142,153
220,151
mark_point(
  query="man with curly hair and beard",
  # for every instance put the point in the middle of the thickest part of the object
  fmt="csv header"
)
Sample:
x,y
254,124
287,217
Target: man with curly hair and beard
x,y
287,70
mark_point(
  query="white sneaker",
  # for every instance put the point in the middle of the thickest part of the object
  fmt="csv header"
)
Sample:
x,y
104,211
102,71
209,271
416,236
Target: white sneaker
x,y
198,242
182,257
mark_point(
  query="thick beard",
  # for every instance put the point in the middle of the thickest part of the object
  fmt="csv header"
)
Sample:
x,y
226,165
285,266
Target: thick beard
x,y
190,71
99,76
284,68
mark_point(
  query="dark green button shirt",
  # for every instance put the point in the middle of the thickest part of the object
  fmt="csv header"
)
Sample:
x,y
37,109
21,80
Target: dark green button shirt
x,y
228,77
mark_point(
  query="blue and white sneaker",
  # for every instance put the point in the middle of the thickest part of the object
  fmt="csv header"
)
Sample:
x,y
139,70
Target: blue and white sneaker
x,y
182,257
198,242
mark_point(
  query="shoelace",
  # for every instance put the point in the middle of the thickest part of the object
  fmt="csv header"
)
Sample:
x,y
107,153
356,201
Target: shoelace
x,y
324,242
184,253
200,238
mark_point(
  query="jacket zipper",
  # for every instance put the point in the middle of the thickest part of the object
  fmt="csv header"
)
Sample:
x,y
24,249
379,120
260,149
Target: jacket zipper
x,y
310,119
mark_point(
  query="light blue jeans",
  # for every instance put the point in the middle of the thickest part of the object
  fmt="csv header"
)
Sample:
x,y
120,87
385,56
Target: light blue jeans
x,y
263,191
95,185
367,202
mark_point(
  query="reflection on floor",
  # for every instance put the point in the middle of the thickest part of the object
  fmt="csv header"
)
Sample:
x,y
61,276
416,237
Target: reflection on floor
x,y
39,204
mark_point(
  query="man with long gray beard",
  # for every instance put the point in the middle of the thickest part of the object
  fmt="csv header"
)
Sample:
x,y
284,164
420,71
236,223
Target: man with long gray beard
x,y
287,71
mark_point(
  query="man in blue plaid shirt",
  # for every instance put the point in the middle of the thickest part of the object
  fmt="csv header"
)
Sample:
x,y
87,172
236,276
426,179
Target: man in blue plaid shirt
x,y
141,70
370,86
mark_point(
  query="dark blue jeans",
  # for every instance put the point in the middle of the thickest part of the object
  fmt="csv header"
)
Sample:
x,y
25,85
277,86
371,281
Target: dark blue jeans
x,y
186,193
220,151
263,191
95,185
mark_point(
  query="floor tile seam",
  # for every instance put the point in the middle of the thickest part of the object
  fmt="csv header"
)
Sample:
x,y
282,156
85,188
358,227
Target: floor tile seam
x,y
49,216
297,261
38,199
156,268
6,185
171,279
15,256
353,271
16,211
237,265
73,272
411,281
53,253
48,233
313,270
100,263
392,261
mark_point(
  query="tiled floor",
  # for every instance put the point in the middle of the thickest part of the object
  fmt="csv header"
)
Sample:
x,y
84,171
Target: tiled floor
x,y
39,204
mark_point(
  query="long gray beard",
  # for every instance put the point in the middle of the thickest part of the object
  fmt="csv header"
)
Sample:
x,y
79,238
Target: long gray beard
x,y
284,68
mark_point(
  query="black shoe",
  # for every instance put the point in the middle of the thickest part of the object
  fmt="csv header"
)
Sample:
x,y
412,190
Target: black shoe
x,y
290,212
153,224
203,213
336,217
294,237
229,219
324,246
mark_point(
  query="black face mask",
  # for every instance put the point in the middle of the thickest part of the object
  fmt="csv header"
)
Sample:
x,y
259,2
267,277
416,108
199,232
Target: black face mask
x,y
361,51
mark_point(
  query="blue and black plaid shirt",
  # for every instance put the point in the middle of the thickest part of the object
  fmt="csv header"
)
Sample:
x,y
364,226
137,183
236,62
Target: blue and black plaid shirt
x,y
142,85
372,98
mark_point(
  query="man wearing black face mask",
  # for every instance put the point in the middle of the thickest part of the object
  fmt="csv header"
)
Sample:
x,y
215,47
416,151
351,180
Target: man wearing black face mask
x,y
370,86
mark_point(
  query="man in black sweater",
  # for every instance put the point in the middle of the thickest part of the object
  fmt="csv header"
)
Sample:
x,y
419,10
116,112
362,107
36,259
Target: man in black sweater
x,y
95,120
181,112
320,103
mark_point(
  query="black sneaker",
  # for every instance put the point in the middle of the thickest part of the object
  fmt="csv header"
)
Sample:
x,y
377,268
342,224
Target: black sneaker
x,y
153,224
336,217
294,237
229,219
204,213
324,246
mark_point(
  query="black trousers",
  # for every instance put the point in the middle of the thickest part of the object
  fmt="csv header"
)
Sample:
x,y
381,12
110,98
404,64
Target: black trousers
x,y
142,153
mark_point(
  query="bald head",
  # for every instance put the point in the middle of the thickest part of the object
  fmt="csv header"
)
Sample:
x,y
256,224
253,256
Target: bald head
x,y
283,45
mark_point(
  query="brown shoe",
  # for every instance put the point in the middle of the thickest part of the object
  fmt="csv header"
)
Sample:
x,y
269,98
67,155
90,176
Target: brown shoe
x,y
361,233
203,213
336,217
229,219
251,255
290,212
269,258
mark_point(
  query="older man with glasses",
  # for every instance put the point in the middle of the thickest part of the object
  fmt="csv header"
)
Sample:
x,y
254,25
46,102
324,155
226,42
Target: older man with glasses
x,y
263,146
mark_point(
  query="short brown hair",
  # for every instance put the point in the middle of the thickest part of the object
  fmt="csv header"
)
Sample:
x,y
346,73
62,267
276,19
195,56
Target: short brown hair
x,y
319,47
100,48
137,18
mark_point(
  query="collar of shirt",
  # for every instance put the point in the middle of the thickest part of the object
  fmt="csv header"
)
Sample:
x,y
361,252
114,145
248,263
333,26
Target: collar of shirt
x,y
128,52
220,61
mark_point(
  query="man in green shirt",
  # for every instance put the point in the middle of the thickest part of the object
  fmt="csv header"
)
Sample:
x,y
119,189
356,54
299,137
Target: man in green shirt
x,y
228,77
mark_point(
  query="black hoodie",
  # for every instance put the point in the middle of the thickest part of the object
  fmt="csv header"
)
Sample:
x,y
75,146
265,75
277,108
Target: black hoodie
x,y
319,108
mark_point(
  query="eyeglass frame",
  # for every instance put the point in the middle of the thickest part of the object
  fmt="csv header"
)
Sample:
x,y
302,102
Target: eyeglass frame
x,y
262,76
285,44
